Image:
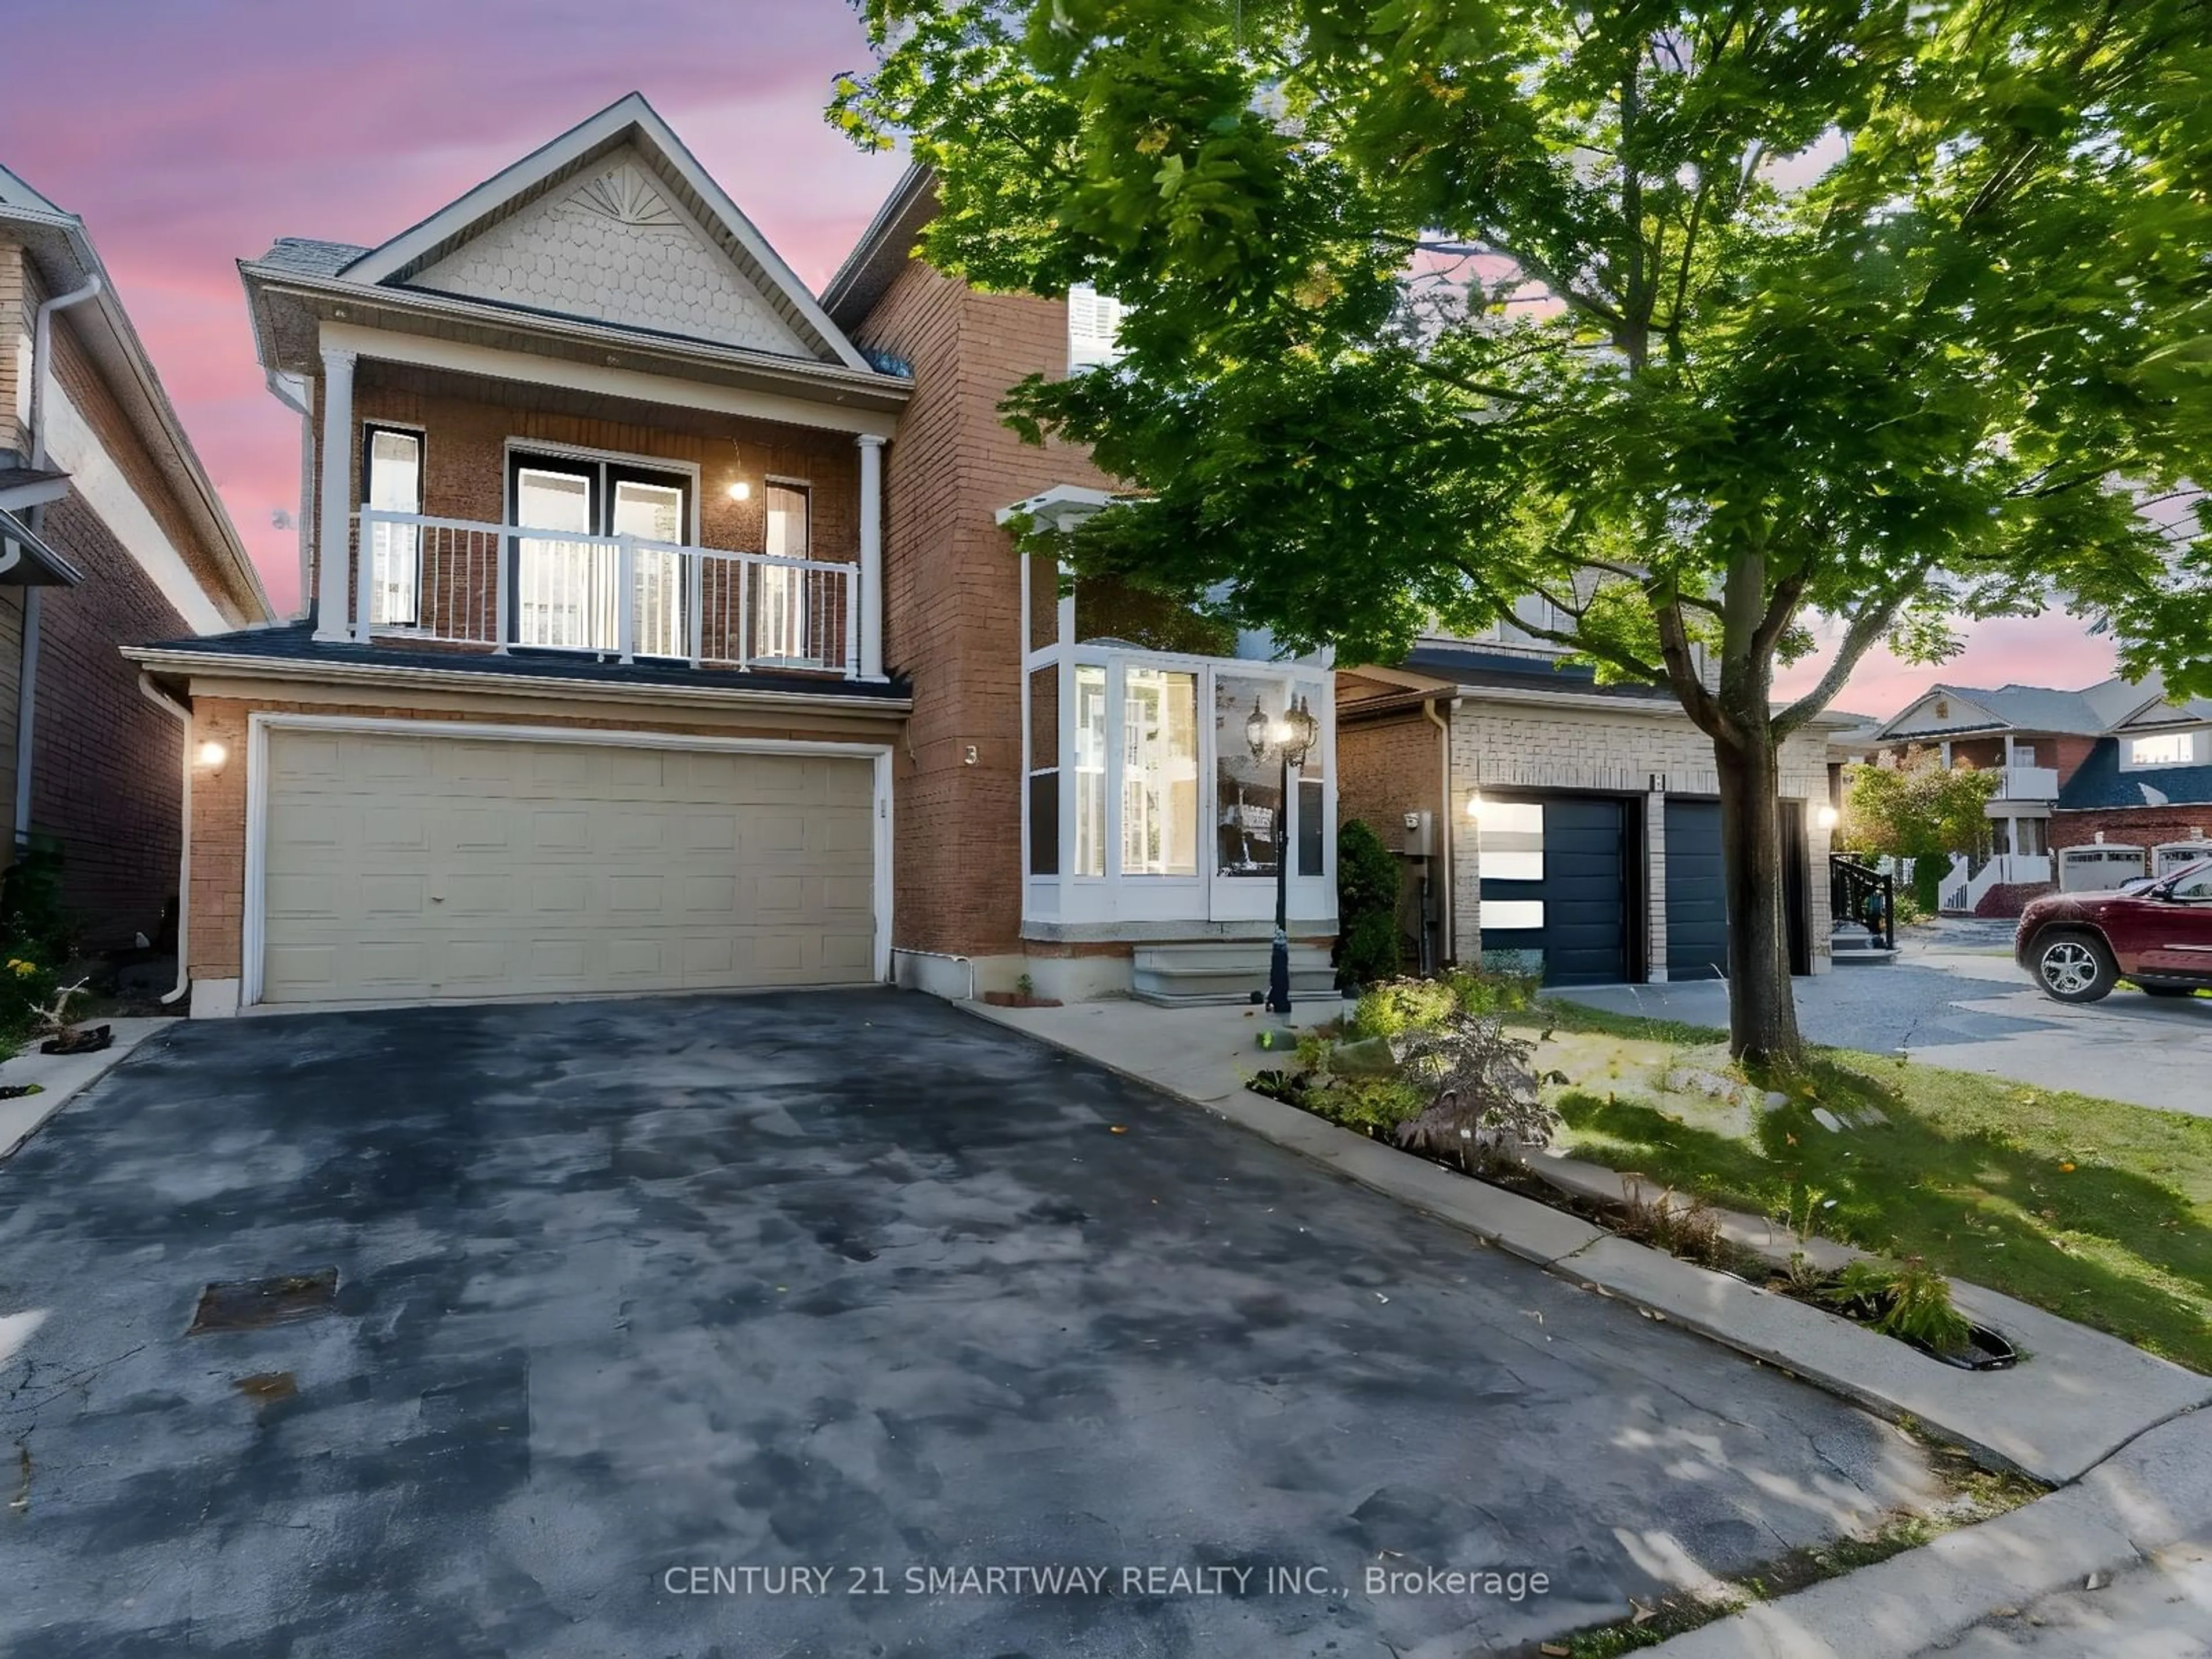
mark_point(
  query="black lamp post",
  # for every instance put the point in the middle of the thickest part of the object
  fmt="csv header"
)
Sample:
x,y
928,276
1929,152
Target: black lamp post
x,y
1291,740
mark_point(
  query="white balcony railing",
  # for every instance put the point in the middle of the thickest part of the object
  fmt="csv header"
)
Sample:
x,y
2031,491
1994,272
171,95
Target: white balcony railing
x,y
2027,783
460,582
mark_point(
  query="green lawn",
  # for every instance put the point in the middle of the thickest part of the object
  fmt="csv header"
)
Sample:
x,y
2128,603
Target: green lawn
x,y
2093,1209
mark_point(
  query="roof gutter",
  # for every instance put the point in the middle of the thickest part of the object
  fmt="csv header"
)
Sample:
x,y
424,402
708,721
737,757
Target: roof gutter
x,y
188,664
27,683
161,700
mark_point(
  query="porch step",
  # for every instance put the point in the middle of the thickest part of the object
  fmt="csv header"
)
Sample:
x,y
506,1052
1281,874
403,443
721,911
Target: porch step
x,y
1225,971
1854,946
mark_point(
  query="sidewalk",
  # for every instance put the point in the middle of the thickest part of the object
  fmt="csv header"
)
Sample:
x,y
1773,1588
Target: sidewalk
x,y
61,1078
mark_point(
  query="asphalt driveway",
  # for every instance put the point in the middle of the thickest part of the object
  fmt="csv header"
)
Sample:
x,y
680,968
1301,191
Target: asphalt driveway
x,y
1954,997
833,1281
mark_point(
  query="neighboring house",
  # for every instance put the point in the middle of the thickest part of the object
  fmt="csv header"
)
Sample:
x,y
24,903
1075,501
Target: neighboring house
x,y
2111,762
1563,825
1078,799
111,534
629,566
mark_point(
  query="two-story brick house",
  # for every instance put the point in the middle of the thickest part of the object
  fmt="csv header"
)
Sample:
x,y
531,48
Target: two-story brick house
x,y
111,534
2114,762
663,638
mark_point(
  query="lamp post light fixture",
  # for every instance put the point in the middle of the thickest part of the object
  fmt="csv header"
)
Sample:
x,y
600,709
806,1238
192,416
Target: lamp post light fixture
x,y
1291,737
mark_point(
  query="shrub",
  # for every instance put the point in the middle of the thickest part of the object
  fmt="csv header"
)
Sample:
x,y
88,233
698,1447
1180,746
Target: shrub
x,y
1484,1101
1397,1006
1480,993
1378,1104
1367,877
1908,1299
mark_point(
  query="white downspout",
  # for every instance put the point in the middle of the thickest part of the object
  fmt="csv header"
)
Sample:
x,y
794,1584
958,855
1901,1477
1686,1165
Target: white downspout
x,y
1448,944
291,390
162,699
27,686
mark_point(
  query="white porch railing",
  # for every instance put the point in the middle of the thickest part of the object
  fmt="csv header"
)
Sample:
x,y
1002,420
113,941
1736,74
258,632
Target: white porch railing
x,y
2017,783
457,581
1970,879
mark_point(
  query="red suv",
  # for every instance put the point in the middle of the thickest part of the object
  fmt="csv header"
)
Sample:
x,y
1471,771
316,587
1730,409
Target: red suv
x,y
2158,934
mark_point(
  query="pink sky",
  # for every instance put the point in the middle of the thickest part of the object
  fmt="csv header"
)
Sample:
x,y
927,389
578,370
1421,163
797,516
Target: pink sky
x,y
190,136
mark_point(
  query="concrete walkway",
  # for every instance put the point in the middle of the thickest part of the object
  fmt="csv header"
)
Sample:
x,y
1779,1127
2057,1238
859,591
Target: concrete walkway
x,y
59,1079
1954,999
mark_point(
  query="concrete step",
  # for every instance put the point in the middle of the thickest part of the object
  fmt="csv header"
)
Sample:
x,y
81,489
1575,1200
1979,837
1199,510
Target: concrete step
x,y
1856,948
1221,971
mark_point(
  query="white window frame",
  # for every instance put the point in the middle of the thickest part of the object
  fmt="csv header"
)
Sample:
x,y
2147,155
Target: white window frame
x,y
2131,761
1094,328
395,543
1205,895
603,459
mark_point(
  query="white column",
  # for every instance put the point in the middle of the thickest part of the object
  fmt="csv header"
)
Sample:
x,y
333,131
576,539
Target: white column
x,y
333,588
871,555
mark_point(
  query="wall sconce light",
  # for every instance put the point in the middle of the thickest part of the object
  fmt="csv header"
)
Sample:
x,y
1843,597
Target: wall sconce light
x,y
212,754
1474,805
741,491
1827,817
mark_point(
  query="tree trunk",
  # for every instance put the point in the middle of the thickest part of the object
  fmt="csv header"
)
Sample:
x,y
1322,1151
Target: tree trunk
x,y
1762,1012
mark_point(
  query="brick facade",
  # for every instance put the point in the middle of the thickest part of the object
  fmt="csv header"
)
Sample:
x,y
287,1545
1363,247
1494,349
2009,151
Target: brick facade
x,y
1387,766
2132,826
104,760
15,310
952,598
1646,755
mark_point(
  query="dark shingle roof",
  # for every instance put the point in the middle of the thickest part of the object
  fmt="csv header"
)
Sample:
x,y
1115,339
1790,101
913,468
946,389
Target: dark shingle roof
x,y
310,257
295,643
2098,782
1471,665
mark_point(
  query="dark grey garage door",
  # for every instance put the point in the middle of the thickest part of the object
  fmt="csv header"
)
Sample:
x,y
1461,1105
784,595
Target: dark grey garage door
x,y
1554,883
1696,899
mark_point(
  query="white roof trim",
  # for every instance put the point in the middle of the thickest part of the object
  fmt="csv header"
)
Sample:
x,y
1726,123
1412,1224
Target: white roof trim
x,y
1888,727
634,118
1061,508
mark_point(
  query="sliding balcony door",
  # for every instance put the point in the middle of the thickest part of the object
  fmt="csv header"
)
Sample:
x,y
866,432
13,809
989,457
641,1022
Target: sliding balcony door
x,y
569,572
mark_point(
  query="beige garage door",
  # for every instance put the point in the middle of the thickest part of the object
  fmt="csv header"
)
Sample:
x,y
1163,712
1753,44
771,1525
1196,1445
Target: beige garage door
x,y
404,867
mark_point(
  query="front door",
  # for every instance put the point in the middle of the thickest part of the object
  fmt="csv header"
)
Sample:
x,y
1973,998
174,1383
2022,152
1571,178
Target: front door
x,y
567,576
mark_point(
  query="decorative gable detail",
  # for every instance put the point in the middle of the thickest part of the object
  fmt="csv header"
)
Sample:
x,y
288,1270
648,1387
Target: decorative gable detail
x,y
613,247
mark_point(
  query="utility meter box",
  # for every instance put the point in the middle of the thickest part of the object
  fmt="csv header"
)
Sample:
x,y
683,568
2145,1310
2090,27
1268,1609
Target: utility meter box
x,y
1419,839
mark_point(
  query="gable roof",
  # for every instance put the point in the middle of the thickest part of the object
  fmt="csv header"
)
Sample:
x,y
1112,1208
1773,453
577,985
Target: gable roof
x,y
632,123
61,249
884,250
2089,713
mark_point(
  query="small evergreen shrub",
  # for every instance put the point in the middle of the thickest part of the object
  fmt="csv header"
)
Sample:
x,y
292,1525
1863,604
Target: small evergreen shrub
x,y
1367,880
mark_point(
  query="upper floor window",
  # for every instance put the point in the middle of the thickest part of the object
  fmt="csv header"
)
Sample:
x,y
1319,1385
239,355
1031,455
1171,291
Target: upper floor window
x,y
1094,327
2165,749
392,460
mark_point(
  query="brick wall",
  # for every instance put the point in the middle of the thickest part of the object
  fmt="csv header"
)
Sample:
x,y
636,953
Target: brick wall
x,y
218,826
104,760
2130,826
952,598
1386,768
1516,746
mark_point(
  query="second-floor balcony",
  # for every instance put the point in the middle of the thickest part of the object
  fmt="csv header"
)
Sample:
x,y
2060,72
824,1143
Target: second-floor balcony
x,y
2034,783
627,597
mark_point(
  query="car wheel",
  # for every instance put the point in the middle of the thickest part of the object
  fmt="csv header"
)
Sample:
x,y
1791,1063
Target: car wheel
x,y
2075,968
2169,990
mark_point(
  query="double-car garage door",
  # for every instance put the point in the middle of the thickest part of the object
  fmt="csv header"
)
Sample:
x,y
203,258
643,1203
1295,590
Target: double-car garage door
x,y
398,866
